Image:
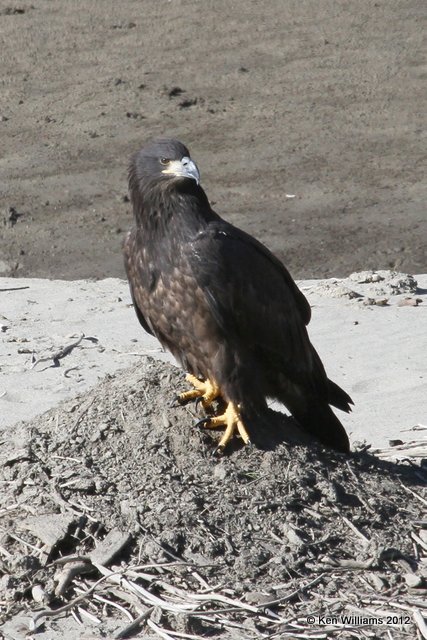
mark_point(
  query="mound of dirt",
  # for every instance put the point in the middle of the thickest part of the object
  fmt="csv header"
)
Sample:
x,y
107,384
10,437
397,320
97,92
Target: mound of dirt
x,y
249,543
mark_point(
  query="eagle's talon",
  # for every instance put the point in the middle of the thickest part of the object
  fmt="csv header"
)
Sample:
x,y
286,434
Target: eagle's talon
x,y
202,423
232,421
199,401
205,391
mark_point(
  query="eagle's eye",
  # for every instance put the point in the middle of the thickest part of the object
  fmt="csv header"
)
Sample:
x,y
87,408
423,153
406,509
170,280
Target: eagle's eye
x,y
164,161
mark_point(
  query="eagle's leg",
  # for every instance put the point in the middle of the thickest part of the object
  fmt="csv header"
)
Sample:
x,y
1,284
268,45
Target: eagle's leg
x,y
232,420
206,390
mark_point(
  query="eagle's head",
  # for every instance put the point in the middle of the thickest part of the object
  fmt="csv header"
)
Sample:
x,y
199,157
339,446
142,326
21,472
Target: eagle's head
x,y
164,182
163,162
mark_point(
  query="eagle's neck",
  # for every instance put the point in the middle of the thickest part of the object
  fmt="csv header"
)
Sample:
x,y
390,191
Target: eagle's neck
x,y
172,212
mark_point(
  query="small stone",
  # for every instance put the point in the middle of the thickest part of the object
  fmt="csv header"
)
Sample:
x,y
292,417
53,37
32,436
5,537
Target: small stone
x,y
409,302
113,543
8,585
127,508
39,594
257,597
95,436
50,528
378,582
18,455
220,472
413,581
87,485
379,302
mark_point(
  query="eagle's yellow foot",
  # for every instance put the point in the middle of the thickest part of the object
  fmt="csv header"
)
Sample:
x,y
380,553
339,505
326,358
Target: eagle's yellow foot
x,y
232,421
207,391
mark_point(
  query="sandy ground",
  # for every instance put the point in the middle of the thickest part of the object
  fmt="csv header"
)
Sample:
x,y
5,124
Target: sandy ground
x,y
375,352
323,101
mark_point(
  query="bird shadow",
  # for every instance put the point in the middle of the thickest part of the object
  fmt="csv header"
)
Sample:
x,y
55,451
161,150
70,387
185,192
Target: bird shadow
x,y
276,429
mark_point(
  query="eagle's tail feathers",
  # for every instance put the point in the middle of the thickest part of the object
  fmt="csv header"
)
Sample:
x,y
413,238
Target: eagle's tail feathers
x,y
338,398
319,420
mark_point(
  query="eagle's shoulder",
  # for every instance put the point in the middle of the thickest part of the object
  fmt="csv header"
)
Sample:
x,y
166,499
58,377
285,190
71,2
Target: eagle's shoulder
x,y
221,243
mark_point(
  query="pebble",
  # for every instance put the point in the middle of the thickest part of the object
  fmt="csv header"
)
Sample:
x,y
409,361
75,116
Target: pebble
x,y
413,581
39,594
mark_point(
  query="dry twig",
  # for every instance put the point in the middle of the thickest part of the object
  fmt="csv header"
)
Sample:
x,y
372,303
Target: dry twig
x,y
58,355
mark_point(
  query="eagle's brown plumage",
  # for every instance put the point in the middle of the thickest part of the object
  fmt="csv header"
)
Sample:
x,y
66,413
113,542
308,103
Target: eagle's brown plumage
x,y
226,308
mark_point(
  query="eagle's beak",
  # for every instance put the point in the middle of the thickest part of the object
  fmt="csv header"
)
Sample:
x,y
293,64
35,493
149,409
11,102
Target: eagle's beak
x,y
184,168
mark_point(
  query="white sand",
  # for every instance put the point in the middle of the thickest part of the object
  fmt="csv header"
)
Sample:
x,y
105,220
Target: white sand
x,y
376,353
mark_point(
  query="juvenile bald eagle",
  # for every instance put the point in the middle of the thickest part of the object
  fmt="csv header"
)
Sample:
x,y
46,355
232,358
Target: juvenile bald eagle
x,y
226,307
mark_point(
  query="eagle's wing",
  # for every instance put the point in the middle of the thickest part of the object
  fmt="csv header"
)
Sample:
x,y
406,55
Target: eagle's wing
x,y
135,275
255,301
